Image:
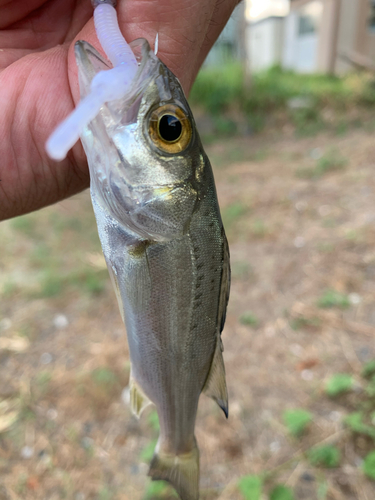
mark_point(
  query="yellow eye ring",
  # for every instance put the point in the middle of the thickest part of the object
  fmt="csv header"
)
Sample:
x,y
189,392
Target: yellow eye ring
x,y
170,128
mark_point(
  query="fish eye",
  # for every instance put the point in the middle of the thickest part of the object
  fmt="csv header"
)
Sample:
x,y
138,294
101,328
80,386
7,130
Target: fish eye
x,y
170,128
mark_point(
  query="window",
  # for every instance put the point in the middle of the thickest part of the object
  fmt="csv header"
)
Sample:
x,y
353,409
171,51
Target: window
x,y
306,25
371,19
309,17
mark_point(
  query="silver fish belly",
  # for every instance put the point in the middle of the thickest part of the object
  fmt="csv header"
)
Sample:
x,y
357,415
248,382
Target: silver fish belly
x,y
159,223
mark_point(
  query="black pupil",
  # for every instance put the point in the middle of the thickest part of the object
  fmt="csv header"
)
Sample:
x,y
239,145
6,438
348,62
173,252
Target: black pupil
x,y
170,128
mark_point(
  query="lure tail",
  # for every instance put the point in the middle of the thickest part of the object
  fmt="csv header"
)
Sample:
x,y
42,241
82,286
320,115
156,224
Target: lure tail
x,y
182,471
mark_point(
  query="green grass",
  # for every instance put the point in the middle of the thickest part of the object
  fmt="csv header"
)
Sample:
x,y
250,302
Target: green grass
x,y
231,213
369,369
251,487
297,421
324,456
369,465
329,162
332,298
339,384
221,89
258,228
25,224
159,490
241,270
105,493
42,380
55,280
304,322
148,451
358,423
216,88
153,421
281,492
249,319
104,377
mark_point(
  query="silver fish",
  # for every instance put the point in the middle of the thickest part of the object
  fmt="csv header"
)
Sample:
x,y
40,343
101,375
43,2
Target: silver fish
x,y
159,223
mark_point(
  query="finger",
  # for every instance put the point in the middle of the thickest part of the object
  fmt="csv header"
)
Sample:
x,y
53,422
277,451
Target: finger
x,y
11,12
54,23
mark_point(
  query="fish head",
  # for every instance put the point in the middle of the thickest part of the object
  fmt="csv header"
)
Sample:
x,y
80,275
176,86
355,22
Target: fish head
x,y
145,157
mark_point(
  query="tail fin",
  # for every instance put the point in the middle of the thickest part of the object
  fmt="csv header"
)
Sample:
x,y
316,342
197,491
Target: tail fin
x,y
182,471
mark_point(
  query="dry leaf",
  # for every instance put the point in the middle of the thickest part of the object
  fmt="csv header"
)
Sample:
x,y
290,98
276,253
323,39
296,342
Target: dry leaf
x,y
96,260
8,420
307,364
15,344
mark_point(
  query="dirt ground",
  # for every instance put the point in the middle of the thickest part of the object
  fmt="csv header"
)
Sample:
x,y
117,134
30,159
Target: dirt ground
x,y
300,219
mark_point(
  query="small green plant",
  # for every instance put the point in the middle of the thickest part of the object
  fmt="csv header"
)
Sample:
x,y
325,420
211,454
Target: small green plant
x,y
249,319
258,228
329,162
232,212
159,489
43,378
90,280
339,384
326,247
281,492
105,493
241,270
24,224
251,487
224,126
153,421
322,490
94,282
304,322
9,289
148,452
42,381
332,298
324,456
297,421
104,377
51,284
369,369
369,465
370,388
357,423
307,120
40,255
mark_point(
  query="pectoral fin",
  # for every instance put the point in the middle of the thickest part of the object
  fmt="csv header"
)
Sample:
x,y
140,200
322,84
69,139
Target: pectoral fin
x,y
116,289
138,400
215,386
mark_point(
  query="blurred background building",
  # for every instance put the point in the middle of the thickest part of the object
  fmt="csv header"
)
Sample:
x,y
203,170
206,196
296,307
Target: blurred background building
x,y
307,36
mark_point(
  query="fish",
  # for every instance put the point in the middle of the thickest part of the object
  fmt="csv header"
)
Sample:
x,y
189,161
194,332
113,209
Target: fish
x,y
159,223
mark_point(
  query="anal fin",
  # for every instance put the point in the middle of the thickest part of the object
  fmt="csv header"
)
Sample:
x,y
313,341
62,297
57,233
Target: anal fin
x,y
138,400
216,386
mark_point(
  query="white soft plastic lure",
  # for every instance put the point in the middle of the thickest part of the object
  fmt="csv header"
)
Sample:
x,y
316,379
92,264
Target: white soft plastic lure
x,y
106,86
159,224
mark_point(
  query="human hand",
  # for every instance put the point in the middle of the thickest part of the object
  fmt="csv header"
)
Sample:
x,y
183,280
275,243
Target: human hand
x,y
39,84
